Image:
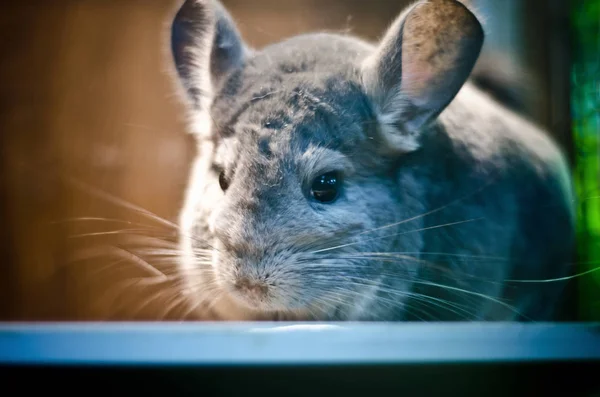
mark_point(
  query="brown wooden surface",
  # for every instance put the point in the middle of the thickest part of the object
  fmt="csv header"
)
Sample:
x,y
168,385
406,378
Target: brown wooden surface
x,y
85,92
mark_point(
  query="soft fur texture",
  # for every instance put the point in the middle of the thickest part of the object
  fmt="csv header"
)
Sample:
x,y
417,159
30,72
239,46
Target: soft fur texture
x,y
446,195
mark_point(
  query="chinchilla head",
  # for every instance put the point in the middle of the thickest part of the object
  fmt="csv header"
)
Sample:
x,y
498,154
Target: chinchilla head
x,y
297,194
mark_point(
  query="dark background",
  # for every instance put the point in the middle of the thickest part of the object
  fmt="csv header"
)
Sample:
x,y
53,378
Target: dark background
x,y
452,379
86,92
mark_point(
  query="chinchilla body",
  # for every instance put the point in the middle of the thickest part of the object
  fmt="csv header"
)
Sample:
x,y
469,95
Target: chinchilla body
x,y
338,179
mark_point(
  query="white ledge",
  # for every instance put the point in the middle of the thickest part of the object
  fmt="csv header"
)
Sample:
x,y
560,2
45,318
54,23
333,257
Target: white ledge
x,y
294,343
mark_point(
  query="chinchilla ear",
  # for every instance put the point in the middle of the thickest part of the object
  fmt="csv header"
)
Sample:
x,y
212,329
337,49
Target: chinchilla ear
x,y
206,45
420,65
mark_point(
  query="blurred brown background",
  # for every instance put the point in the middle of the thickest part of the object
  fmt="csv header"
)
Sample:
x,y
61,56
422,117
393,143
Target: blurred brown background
x,y
85,92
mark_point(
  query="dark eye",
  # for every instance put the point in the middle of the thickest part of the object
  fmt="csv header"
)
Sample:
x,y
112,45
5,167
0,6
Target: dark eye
x,y
326,188
223,181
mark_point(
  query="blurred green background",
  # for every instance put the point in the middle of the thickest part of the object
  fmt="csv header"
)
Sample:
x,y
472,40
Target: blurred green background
x,y
585,105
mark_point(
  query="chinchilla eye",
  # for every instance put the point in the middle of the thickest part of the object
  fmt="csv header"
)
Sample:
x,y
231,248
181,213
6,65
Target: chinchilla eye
x,y
223,181
326,188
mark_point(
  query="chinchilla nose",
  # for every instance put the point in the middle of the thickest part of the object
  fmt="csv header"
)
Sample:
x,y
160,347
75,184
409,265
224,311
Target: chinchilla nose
x,y
251,289
250,285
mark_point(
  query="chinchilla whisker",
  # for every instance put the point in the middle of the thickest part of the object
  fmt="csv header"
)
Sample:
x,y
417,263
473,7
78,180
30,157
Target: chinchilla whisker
x,y
162,262
96,269
391,259
106,220
462,256
203,255
316,265
155,241
110,232
110,252
554,280
312,244
192,308
106,267
201,268
172,249
582,199
444,304
481,259
334,300
386,302
438,209
397,234
325,291
151,281
477,294
201,279
451,288
319,311
437,302
179,301
330,268
451,274
412,307
173,260
478,258
146,259
327,304
120,202
367,259
122,287
213,300
418,308
170,269
421,280
201,285
149,241
170,253
311,313
158,252
173,276
409,309
172,293
208,294
138,260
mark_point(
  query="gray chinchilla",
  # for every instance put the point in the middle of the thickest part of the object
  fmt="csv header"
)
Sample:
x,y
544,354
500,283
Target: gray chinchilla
x,y
340,180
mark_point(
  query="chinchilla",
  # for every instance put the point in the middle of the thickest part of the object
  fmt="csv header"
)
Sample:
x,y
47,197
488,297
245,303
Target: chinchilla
x,y
343,180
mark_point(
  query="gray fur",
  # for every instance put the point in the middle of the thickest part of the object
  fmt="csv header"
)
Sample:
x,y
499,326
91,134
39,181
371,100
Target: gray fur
x,y
281,116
